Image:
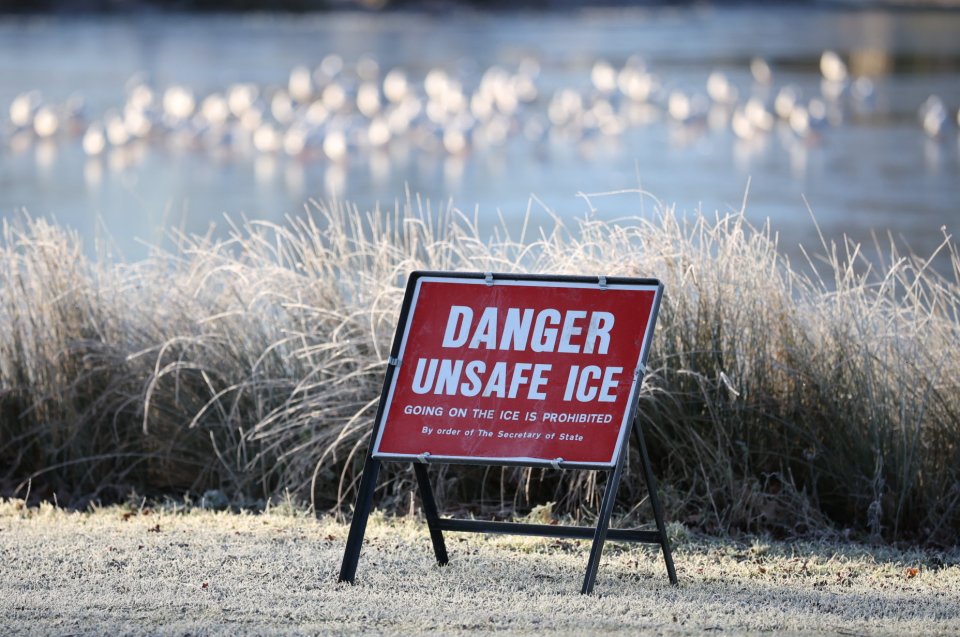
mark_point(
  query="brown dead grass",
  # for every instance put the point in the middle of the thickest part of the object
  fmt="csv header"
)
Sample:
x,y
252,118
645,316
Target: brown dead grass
x,y
161,571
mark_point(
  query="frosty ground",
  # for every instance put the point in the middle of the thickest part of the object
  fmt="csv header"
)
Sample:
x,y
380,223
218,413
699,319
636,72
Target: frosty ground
x,y
161,571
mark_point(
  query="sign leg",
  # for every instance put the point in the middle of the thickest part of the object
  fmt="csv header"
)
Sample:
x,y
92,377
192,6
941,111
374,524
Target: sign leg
x,y
351,554
430,512
603,524
655,502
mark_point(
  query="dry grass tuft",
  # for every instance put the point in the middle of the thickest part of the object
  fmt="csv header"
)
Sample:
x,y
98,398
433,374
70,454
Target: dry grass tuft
x,y
780,399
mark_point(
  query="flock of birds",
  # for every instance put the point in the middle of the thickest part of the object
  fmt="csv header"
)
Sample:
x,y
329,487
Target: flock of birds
x,y
335,111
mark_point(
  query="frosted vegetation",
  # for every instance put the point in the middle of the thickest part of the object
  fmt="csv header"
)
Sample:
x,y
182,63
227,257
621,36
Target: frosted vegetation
x,y
794,399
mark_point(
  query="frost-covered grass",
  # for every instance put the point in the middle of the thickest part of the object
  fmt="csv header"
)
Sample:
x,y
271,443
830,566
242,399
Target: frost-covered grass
x,y
785,399
161,571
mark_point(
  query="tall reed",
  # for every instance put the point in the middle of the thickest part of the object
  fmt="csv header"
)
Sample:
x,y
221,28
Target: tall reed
x,y
779,398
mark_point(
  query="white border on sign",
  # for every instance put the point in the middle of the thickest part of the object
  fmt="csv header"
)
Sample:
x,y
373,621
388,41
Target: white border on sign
x,y
624,424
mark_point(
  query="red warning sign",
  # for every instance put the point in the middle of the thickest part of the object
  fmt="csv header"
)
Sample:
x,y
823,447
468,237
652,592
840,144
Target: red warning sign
x,y
539,370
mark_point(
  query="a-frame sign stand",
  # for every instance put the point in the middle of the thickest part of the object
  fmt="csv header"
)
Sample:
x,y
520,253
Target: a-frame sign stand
x,y
437,525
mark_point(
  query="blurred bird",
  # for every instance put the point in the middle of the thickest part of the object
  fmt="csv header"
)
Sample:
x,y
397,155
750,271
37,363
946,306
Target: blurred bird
x,y
832,67
281,107
604,77
46,122
760,70
741,125
395,85
215,109
241,97
760,117
635,82
933,116
685,109
368,99
786,101
94,142
117,133
720,89
178,103
300,84
23,109
335,145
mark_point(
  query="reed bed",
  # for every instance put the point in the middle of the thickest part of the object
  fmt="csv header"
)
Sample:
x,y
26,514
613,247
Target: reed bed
x,y
792,399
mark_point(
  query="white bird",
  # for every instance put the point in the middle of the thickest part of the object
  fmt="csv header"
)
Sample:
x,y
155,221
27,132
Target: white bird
x,y
832,67
267,139
495,131
933,116
94,141
720,89
635,83
833,90
395,85
760,70
281,107
215,109
178,103
786,101
241,97
398,120
368,99
46,122
136,121
807,121
686,109
23,108
334,97
604,77
300,84
378,132
335,145
251,118
741,125
317,113
758,114
566,107
678,106
141,96
435,83
454,101
454,140
117,133
799,120
481,105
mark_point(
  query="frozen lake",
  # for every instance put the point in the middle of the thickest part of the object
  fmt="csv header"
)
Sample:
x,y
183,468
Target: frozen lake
x,y
863,161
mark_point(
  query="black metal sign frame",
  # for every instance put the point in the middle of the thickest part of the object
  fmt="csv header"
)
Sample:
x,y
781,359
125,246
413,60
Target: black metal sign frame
x,y
438,525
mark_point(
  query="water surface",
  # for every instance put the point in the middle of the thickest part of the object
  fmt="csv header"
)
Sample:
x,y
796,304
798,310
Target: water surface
x,y
873,170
